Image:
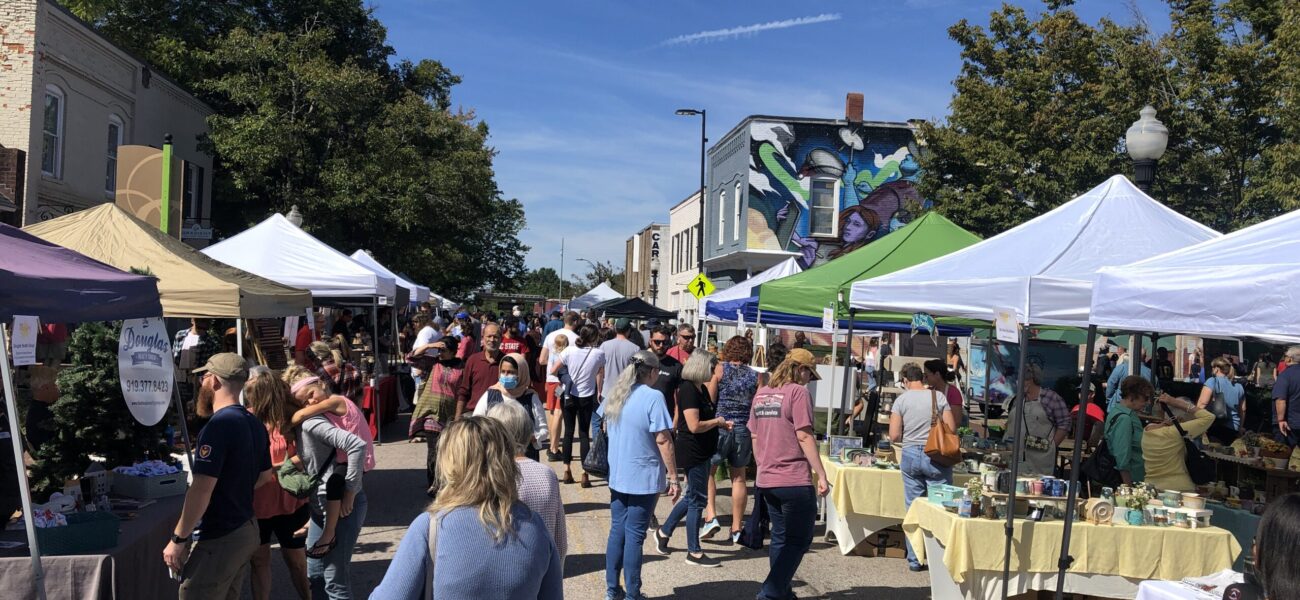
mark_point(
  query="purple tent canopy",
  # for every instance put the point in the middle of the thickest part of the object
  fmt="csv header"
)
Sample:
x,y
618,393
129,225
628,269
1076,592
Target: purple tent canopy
x,y
61,286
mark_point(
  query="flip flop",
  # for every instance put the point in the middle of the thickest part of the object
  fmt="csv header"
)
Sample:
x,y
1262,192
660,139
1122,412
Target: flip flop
x,y
322,550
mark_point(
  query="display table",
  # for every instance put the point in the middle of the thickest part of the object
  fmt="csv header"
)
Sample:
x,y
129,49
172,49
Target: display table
x,y
385,398
1109,560
132,569
1172,590
864,500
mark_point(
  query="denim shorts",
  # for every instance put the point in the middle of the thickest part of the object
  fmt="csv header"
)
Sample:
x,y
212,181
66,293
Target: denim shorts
x,y
735,447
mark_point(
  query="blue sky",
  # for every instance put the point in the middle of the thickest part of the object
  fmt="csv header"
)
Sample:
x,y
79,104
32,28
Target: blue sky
x,y
580,94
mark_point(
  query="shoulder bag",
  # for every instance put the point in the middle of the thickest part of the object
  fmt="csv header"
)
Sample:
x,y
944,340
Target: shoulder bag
x,y
755,528
1218,406
597,460
1200,468
943,447
298,483
1101,466
431,561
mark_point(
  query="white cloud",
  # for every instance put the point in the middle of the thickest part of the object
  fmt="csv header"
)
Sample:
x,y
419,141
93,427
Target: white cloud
x,y
732,33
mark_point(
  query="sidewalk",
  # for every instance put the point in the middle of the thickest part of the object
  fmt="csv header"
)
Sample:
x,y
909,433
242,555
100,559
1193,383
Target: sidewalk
x,y
395,490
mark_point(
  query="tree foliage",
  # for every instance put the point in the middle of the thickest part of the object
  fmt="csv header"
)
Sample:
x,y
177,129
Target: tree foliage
x,y
598,273
1042,104
545,282
312,110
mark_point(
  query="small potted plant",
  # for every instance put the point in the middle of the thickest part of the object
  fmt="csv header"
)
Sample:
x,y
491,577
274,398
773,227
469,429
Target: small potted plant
x,y
1251,442
1137,505
975,487
1275,452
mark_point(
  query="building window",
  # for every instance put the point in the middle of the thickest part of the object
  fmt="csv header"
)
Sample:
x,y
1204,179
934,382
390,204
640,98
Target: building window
x,y
192,192
736,200
822,203
722,211
110,166
52,149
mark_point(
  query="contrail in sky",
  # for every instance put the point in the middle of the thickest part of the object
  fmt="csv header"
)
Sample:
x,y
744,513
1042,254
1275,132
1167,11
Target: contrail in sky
x,y
735,32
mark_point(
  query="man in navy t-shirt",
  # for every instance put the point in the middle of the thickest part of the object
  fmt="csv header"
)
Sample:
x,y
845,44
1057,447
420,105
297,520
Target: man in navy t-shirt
x,y
1286,399
232,459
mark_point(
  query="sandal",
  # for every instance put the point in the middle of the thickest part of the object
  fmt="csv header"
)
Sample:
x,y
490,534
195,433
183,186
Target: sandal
x,y
322,550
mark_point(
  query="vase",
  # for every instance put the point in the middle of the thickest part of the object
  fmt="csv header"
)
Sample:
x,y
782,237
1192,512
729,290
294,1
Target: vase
x,y
1120,516
1134,517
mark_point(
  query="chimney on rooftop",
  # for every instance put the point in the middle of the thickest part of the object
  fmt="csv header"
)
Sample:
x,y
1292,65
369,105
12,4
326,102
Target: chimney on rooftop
x,y
853,107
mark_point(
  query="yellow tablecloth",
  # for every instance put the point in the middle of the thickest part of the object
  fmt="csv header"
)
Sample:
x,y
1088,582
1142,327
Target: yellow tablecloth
x,y
1146,552
870,491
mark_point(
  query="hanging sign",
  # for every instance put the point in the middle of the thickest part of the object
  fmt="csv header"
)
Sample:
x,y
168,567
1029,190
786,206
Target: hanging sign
x,y
291,329
144,364
740,320
1004,322
24,339
828,319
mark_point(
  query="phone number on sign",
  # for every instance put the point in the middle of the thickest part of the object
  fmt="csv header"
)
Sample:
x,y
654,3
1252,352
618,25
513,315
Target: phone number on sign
x,y
143,386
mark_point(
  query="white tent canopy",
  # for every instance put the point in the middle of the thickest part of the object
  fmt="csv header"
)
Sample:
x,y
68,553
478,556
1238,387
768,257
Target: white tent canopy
x,y
1244,283
746,289
594,296
1043,268
277,250
364,257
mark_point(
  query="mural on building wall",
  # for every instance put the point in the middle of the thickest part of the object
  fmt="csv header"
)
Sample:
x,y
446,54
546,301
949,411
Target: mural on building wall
x,y
871,171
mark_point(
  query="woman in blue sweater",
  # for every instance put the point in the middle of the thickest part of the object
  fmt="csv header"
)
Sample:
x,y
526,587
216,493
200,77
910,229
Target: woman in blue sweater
x,y
481,526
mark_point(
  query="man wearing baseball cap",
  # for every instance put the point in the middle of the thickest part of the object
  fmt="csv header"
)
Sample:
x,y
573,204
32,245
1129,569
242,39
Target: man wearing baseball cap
x,y
232,459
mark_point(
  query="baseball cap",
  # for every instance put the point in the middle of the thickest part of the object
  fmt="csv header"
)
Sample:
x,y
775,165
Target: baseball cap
x,y
804,358
622,323
462,315
227,365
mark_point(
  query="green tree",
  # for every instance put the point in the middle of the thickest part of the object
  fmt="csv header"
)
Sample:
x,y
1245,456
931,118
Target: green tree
x,y
311,112
598,273
544,282
1042,104
91,416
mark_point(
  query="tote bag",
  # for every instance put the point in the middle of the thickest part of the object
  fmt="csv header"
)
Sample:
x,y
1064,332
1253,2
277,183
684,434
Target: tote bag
x,y
943,447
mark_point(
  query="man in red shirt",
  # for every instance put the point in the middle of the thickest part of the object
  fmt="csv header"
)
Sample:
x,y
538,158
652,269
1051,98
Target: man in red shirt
x,y
481,371
685,344
302,345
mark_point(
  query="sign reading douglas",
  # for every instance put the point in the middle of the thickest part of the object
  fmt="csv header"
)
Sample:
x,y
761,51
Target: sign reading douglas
x,y
144,364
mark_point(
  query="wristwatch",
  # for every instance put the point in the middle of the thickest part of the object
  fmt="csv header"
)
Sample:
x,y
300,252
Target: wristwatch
x,y
176,539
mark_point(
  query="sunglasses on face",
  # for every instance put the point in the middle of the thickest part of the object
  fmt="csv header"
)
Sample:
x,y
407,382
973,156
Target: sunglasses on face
x,y
688,338
658,342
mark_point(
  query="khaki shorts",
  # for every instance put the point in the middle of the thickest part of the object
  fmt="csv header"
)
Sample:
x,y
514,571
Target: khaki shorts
x,y
217,568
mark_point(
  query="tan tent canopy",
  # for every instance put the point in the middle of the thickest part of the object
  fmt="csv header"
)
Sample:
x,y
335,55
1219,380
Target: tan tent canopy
x,y
191,284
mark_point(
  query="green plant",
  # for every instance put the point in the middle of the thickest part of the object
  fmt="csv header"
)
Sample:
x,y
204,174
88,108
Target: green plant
x,y
91,416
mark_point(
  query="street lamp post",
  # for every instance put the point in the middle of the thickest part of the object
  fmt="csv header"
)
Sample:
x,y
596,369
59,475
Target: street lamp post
x,y
1146,140
654,280
294,216
704,140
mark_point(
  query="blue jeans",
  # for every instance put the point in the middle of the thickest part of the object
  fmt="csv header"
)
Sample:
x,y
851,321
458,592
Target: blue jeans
x,y
329,575
628,520
793,512
690,506
918,475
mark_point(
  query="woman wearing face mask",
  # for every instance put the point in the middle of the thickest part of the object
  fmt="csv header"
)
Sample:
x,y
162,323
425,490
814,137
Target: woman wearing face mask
x,y
514,383
436,406
781,420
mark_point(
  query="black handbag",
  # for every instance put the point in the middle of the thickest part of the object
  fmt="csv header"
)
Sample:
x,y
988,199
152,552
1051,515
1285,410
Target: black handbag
x,y
755,530
597,460
1200,468
1101,466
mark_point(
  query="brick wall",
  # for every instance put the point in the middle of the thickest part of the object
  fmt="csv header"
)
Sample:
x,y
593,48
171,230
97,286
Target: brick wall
x,y
18,80
12,174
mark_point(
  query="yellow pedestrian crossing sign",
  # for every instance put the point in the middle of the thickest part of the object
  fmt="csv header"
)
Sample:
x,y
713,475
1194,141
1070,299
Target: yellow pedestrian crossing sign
x,y
700,286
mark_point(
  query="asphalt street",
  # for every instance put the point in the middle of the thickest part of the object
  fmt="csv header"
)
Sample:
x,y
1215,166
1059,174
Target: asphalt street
x,y
395,490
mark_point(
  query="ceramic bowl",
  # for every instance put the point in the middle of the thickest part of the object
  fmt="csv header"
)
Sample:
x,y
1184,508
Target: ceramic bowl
x,y
1191,500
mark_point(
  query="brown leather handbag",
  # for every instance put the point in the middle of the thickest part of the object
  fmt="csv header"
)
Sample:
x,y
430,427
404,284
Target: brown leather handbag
x,y
943,446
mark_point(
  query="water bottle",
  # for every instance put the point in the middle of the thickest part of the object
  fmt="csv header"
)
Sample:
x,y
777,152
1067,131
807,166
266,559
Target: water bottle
x,y
963,510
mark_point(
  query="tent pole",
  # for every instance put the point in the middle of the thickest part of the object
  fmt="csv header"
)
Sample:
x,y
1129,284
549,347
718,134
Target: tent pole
x,y
24,488
392,366
1155,339
988,385
374,375
1017,432
185,427
835,346
239,337
1076,457
848,364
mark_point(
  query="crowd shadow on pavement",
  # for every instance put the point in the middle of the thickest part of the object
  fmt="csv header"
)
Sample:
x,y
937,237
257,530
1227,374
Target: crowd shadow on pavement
x,y
582,564
575,508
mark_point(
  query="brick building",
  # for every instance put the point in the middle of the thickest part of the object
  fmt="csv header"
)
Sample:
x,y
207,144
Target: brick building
x,y
68,99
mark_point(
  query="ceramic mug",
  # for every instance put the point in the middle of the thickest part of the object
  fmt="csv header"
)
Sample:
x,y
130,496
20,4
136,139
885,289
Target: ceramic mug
x,y
1134,517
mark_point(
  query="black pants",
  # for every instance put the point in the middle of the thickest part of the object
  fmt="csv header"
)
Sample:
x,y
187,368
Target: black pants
x,y
431,459
577,416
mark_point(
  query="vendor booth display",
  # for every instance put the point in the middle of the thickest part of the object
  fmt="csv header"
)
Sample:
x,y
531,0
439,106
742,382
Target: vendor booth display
x,y
595,295
631,308
721,307
1038,273
55,284
865,500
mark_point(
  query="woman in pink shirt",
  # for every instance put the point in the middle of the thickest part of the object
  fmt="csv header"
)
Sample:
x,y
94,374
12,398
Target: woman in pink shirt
x,y
781,423
940,379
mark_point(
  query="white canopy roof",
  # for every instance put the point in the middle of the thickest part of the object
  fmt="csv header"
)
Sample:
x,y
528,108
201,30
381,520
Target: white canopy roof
x,y
364,257
593,296
1244,283
745,288
279,251
1043,268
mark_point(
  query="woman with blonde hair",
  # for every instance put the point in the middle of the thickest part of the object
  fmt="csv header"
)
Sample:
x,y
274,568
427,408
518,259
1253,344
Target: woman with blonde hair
x,y
640,457
477,540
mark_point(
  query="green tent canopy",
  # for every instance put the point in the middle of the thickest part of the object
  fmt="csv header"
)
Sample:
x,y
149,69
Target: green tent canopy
x,y
807,293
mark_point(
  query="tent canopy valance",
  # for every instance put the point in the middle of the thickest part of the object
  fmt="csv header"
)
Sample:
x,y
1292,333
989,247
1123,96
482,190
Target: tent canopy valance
x,y
632,308
41,279
593,296
191,284
280,251
1246,283
1044,268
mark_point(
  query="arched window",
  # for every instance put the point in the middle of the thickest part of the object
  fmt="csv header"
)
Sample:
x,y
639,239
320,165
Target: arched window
x,y
115,136
52,127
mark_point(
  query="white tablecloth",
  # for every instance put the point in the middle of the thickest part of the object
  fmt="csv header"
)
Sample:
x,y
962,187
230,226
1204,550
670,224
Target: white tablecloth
x,y
1171,590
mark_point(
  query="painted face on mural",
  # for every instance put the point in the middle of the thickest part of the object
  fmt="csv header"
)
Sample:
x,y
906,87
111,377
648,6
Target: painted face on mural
x,y
855,229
